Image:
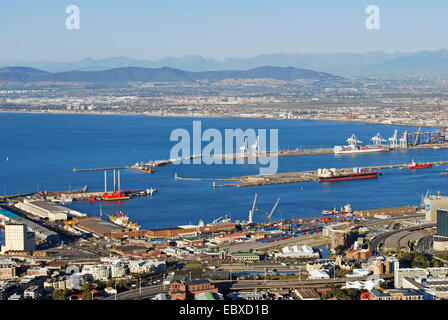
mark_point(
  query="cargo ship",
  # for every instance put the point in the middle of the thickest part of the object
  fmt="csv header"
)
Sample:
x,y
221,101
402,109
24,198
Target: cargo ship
x,y
413,165
353,148
326,175
347,209
123,220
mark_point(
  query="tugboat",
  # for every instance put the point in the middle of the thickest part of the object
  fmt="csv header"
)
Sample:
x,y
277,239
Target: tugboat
x,y
413,165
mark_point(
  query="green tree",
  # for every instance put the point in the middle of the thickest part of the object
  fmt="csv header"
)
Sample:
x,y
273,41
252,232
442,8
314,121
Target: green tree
x,y
86,291
58,294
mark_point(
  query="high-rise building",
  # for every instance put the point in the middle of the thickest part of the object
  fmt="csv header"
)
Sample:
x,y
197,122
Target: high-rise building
x,y
18,238
440,240
432,204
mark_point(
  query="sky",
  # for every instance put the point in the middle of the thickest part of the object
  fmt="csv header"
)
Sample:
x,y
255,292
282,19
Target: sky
x,y
35,30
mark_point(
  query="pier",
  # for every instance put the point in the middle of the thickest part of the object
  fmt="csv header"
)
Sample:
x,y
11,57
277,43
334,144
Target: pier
x,y
291,177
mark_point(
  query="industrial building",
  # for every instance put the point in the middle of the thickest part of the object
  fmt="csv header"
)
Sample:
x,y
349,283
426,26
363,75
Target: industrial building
x,y
245,256
47,210
18,238
386,211
96,226
180,290
432,203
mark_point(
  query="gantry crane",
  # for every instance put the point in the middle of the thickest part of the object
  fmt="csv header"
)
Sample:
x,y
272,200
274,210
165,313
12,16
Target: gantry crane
x,y
268,216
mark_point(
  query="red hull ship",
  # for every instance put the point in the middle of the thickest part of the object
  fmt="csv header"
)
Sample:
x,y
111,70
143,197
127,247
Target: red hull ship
x,y
349,176
116,195
414,165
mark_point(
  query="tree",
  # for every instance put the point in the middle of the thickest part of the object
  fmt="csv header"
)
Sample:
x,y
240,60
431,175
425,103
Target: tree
x,y
352,293
58,294
86,292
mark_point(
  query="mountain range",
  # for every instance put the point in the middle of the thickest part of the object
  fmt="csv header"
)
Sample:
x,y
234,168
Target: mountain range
x,y
26,75
370,64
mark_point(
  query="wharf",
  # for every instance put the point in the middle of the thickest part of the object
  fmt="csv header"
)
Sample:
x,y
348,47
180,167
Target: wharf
x,y
102,169
291,177
280,153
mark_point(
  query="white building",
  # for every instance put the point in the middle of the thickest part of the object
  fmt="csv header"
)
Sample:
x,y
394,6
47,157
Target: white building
x,y
359,285
401,273
98,272
359,273
298,252
318,274
17,238
146,266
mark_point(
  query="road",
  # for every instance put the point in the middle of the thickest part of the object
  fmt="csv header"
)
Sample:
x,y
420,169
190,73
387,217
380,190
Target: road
x,y
375,242
425,244
150,291
137,294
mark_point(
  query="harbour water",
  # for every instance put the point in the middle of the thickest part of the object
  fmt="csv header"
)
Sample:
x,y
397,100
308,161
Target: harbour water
x,y
39,152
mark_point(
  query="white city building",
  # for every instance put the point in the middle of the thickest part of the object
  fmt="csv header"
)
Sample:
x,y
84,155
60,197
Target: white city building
x,y
17,238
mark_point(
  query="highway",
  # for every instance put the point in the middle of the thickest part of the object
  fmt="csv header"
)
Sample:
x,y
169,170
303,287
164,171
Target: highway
x,y
150,291
382,237
137,294
425,244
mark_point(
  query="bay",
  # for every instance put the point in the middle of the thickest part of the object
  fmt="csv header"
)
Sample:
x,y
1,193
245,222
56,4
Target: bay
x,y
39,152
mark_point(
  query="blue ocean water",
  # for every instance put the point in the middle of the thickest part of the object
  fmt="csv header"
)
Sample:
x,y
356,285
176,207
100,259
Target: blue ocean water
x,y
43,149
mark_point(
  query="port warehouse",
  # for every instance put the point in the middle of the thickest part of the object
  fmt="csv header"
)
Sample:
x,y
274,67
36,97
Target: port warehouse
x,y
174,232
44,234
386,211
47,210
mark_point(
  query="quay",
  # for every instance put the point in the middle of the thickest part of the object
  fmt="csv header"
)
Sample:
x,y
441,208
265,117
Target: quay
x,y
290,177
102,169
145,167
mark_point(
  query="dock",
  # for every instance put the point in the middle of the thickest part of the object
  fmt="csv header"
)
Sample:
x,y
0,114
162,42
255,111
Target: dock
x,y
101,169
291,177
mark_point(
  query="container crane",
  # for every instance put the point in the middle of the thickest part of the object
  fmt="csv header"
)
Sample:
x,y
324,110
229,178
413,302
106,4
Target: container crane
x,y
251,212
416,137
268,216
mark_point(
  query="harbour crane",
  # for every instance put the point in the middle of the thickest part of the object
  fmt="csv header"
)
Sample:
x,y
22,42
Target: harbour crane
x,y
404,140
216,220
416,137
251,212
352,141
268,216
393,140
377,139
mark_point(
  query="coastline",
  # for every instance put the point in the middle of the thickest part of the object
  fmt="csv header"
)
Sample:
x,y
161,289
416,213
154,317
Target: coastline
x,y
177,115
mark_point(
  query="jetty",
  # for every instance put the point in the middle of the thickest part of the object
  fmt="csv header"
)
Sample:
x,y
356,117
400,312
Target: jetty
x,y
291,177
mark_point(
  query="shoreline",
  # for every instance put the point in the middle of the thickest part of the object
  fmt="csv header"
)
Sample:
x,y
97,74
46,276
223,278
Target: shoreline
x,y
105,113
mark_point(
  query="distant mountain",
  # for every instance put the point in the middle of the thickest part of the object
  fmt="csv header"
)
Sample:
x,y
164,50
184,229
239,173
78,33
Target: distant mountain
x,y
422,64
165,74
21,69
370,64
19,74
326,62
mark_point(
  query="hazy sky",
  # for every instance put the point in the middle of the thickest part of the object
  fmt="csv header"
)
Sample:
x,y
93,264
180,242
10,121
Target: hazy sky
x,y
34,30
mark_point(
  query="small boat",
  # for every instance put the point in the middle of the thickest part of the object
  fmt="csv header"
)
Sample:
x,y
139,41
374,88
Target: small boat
x,y
413,165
